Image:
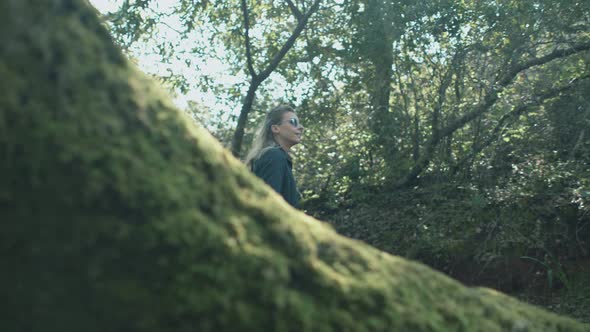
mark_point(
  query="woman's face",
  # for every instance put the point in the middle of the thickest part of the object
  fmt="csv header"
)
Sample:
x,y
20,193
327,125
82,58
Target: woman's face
x,y
289,131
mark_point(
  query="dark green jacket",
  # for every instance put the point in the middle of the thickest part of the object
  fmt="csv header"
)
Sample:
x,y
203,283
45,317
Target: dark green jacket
x,y
276,169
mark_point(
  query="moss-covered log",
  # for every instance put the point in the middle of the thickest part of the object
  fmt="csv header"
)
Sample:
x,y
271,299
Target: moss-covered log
x,y
119,215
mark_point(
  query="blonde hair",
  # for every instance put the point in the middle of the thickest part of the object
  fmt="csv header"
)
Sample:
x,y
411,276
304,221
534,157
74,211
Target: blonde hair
x,y
264,138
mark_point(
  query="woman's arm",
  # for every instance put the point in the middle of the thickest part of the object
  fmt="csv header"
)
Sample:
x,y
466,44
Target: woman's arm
x,y
271,168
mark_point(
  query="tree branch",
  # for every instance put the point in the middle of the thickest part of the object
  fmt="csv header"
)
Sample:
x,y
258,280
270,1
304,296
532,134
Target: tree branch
x,y
442,92
287,46
556,54
258,79
296,12
484,105
491,98
247,40
518,111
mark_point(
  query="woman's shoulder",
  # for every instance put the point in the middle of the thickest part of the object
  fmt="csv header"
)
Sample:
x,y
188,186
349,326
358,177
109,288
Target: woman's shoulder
x,y
273,153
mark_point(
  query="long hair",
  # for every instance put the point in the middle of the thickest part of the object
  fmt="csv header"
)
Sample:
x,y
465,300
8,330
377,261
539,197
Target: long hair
x,y
264,138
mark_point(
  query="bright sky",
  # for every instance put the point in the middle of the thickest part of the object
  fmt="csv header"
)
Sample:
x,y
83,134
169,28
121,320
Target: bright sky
x,y
151,62
218,73
106,5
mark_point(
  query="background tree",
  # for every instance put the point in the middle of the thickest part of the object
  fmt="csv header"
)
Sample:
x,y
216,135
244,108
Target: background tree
x,y
257,78
255,41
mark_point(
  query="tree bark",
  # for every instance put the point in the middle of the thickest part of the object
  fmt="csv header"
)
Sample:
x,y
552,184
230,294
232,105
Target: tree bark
x,y
379,44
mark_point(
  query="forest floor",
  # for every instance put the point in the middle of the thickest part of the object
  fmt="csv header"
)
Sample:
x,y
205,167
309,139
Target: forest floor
x,y
572,301
382,226
574,305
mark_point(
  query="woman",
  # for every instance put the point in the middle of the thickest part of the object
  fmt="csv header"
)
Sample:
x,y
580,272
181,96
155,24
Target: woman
x,y
269,157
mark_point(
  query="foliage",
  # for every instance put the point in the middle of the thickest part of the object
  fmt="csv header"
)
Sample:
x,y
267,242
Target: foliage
x,y
120,215
252,39
451,132
552,267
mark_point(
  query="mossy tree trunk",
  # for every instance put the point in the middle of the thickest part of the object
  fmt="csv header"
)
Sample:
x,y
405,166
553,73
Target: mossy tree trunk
x,y
120,215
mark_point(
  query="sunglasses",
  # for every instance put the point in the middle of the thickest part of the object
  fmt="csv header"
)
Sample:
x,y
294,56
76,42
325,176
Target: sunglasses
x,y
294,122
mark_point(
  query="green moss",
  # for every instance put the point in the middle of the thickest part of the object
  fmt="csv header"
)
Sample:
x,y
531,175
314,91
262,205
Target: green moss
x,y
119,215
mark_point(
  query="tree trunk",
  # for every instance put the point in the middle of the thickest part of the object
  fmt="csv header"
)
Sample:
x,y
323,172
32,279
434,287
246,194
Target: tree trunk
x,y
243,118
380,94
379,50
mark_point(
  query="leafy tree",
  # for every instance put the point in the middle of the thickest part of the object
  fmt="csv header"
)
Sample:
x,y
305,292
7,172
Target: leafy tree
x,y
276,27
256,78
456,64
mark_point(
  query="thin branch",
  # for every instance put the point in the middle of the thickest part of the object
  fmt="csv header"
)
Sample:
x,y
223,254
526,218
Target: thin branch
x,y
577,145
442,91
556,54
258,79
294,10
287,46
247,40
159,15
518,111
489,100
